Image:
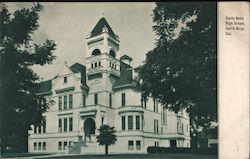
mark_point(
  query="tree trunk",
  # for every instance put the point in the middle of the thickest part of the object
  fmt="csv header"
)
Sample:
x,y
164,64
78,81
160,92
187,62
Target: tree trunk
x,y
106,149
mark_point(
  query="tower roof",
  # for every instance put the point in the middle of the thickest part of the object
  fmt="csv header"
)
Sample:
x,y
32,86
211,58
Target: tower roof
x,y
97,30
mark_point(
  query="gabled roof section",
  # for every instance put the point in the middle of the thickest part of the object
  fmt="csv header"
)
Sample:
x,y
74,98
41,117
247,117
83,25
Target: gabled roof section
x,y
97,30
78,68
45,86
126,57
125,76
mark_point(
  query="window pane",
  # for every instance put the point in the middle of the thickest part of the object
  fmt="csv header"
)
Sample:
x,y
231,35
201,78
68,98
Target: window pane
x,y
44,145
64,145
130,145
35,146
39,145
35,129
137,123
65,79
70,124
44,126
60,125
60,103
65,124
83,100
138,145
110,100
39,129
59,145
70,101
130,122
123,122
123,99
96,99
65,100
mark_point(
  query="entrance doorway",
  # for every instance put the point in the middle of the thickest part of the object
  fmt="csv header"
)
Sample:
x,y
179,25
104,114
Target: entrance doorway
x,y
89,128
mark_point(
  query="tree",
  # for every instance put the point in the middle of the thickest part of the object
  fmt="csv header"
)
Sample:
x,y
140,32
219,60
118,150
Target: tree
x,y
106,136
20,105
181,70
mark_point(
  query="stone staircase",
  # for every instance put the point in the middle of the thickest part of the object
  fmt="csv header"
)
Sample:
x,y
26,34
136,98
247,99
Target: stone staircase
x,y
86,147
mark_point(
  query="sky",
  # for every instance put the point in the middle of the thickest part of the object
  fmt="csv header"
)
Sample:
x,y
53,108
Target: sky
x,y
68,24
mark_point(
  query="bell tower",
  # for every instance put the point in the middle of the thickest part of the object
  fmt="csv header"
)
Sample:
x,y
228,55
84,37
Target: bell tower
x,y
103,49
102,61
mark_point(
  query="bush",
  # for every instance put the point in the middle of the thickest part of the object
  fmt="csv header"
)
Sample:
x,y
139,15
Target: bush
x,y
207,151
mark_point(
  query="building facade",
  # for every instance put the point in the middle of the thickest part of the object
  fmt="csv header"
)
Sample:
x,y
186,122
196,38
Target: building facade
x,y
85,97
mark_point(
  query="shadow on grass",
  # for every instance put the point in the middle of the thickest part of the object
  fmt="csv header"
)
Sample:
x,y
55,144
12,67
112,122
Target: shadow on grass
x,y
13,155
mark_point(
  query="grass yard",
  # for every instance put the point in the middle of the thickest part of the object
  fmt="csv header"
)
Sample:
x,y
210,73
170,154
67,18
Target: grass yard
x,y
135,156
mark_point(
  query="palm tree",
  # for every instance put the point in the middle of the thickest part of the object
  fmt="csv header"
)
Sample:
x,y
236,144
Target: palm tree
x,y
106,136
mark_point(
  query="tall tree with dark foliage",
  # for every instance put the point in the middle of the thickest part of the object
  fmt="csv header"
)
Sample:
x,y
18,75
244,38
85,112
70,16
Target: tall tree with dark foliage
x,y
20,105
106,136
181,70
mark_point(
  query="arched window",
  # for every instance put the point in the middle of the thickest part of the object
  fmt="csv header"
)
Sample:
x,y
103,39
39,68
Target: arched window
x,y
96,52
112,53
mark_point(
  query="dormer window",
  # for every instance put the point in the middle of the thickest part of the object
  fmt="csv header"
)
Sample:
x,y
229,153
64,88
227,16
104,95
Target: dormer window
x,y
65,79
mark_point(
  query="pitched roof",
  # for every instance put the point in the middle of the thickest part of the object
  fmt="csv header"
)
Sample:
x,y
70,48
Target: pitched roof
x,y
126,57
125,76
45,86
97,30
79,68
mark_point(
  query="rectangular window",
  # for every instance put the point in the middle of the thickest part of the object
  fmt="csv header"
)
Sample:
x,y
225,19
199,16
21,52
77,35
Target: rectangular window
x,y
156,128
44,145
35,129
84,100
142,121
137,126
60,103
163,116
59,125
44,126
65,101
96,99
59,145
70,124
102,120
39,129
130,144
110,100
95,64
155,106
123,122
138,145
130,122
123,99
64,145
39,145
70,101
92,65
65,124
145,103
64,79
35,146
99,63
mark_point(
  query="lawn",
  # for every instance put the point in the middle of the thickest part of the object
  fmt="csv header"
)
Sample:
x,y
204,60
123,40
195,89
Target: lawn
x,y
136,156
15,155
